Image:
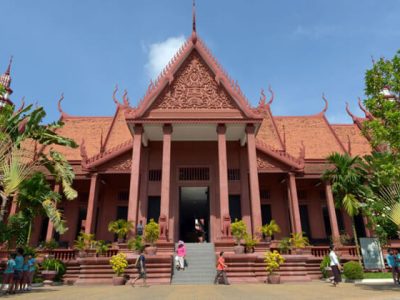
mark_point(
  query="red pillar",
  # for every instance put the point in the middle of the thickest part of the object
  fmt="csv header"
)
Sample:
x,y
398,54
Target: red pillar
x,y
244,189
254,186
223,172
295,204
165,180
135,172
332,214
92,204
50,225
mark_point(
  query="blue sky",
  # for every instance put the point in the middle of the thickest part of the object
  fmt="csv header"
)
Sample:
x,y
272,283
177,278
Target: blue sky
x,y
302,48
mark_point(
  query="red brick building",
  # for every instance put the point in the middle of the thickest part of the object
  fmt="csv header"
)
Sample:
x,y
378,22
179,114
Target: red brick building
x,y
194,148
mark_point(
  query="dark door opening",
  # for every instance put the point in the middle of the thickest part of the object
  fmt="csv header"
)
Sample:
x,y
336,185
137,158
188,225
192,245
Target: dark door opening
x,y
193,204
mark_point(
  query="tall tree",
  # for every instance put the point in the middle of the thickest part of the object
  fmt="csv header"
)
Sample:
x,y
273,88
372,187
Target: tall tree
x,y
348,187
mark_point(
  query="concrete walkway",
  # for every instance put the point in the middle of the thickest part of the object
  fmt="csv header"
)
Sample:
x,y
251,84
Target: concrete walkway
x,y
314,290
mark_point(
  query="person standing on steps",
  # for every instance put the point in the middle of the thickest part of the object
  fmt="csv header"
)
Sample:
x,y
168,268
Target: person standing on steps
x,y
221,269
140,265
139,228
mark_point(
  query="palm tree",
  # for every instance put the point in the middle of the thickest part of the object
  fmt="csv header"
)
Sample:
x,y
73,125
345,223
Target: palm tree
x,y
390,196
347,177
22,132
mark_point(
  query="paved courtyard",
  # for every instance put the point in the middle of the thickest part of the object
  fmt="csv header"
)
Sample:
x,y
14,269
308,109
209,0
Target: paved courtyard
x,y
313,290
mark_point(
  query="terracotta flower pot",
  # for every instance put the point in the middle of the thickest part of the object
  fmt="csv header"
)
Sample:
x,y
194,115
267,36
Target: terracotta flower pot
x,y
119,280
49,276
150,250
274,278
238,249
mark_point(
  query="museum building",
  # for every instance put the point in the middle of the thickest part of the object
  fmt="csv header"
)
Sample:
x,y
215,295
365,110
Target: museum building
x,y
195,148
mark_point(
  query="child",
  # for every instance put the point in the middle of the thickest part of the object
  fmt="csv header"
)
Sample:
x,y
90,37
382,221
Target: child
x,y
31,263
19,264
221,270
391,261
8,277
140,264
25,274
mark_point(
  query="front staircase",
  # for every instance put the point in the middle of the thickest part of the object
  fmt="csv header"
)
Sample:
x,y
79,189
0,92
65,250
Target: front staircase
x,y
201,265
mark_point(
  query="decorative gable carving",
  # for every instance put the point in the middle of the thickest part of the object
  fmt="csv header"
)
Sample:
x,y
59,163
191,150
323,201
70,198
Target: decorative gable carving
x,y
266,163
194,87
121,163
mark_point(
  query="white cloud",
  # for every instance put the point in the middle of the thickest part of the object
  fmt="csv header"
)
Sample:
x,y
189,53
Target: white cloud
x,y
159,54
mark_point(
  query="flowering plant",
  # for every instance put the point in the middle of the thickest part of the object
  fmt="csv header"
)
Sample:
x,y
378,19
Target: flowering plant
x,y
273,261
119,263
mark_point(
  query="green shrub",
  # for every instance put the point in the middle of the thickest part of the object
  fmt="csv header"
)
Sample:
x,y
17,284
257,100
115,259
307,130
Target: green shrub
x,y
353,270
151,232
239,230
52,264
325,263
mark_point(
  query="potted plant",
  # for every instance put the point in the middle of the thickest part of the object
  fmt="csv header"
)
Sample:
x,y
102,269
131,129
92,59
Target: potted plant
x,y
298,243
268,230
151,235
119,263
83,243
136,244
121,228
101,247
239,231
52,268
273,261
284,246
250,243
50,245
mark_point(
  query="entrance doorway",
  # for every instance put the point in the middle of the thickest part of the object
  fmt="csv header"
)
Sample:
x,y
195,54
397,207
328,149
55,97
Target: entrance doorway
x,y
193,204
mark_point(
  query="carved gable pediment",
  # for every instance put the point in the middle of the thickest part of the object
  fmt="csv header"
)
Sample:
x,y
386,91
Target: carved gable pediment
x,y
267,163
121,163
194,88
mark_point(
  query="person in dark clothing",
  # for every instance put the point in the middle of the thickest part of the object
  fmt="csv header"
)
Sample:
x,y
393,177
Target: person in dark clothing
x,y
139,228
140,265
335,265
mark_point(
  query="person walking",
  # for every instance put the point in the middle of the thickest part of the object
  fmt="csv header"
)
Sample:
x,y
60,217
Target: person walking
x,y
391,259
335,265
140,265
18,273
221,269
180,256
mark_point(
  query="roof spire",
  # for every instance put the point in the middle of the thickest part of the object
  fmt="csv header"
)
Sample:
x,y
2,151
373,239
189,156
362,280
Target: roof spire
x,y
194,16
194,34
8,71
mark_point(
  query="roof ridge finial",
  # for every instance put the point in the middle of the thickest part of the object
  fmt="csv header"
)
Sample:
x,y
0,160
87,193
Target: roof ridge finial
x,y
326,104
8,71
194,34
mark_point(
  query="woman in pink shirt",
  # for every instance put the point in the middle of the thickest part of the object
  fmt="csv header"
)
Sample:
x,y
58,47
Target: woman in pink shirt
x,y
180,256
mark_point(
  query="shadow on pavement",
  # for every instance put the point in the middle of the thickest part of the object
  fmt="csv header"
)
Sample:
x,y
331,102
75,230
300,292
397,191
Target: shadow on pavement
x,y
378,287
33,291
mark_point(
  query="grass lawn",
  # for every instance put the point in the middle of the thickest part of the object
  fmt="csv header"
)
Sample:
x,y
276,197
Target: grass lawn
x,y
377,275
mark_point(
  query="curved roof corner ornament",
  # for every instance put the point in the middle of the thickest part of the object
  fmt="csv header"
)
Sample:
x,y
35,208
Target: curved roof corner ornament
x,y
272,95
350,113
194,33
63,114
326,104
114,95
261,102
125,98
368,115
302,154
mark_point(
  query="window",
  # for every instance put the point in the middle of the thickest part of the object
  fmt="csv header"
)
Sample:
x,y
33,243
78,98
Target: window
x,y
194,174
154,175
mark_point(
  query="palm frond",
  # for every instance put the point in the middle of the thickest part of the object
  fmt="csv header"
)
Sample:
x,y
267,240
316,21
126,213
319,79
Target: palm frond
x,y
55,216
